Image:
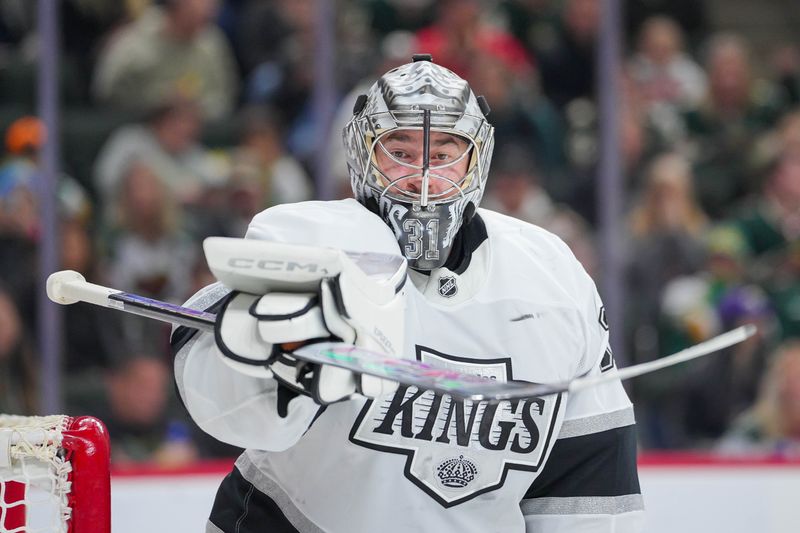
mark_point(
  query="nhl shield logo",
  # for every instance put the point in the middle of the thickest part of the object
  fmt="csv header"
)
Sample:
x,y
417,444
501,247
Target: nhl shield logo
x,y
447,286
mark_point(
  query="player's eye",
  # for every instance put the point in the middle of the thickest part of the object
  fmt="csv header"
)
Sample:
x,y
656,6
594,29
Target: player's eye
x,y
399,154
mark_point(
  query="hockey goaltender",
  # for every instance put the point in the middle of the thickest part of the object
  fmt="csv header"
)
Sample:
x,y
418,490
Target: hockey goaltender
x,y
327,450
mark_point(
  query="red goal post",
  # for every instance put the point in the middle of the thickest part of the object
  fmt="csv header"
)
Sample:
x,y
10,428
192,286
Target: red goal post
x,y
54,475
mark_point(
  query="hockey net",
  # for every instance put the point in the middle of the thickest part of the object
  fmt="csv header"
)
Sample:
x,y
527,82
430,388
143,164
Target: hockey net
x,y
54,475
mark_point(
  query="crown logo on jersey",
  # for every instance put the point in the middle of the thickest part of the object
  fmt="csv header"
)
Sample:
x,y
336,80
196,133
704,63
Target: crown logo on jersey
x,y
456,473
447,286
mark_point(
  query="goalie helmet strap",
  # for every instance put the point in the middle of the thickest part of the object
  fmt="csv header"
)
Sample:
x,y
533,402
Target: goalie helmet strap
x,y
472,234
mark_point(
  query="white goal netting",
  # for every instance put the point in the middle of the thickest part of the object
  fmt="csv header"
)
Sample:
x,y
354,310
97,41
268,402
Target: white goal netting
x,y
34,474
38,458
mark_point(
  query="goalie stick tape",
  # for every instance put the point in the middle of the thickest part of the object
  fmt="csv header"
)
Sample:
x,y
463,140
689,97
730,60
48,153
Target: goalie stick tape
x,y
67,286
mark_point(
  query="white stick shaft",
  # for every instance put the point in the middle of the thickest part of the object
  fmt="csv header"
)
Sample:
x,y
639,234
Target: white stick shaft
x,y
698,350
88,292
67,287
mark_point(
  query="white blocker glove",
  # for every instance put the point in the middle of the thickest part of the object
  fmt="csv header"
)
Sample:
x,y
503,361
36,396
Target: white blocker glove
x,y
256,333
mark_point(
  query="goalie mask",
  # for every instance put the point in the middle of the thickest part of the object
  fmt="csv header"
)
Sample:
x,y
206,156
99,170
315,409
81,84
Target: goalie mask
x,y
418,152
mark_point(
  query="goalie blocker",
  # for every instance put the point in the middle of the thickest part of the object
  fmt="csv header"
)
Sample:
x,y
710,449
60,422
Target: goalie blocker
x,y
302,295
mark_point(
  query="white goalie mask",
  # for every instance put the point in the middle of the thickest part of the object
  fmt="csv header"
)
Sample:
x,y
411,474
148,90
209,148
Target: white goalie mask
x,y
418,152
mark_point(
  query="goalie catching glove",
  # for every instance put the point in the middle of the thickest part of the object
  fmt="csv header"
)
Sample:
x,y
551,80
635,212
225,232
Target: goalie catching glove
x,y
255,333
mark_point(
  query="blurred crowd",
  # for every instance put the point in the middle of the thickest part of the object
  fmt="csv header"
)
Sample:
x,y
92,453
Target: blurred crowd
x,y
181,119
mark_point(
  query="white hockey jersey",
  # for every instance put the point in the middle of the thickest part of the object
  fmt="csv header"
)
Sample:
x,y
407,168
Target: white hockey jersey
x,y
519,306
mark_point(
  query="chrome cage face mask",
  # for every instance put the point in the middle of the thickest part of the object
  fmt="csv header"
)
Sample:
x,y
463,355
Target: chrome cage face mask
x,y
410,169
423,201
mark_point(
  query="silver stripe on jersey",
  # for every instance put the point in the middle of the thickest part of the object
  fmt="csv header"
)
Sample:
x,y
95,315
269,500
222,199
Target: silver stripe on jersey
x,y
180,364
202,299
207,296
595,424
271,489
588,505
211,528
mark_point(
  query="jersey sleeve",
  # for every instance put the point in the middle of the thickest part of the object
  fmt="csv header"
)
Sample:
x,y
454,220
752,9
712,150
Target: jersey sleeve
x,y
590,481
232,407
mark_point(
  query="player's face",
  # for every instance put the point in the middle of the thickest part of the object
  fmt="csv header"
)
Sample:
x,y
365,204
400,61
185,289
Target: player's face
x,y
399,155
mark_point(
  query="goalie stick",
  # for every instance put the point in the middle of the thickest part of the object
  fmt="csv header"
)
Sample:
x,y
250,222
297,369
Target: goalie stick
x,y
67,287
